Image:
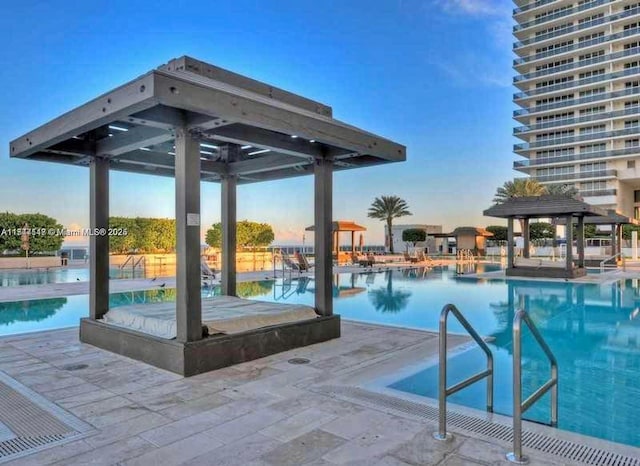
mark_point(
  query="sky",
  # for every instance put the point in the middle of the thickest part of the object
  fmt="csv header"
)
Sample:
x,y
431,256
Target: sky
x,y
434,75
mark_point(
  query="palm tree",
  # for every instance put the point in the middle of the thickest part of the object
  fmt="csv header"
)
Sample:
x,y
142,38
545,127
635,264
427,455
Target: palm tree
x,y
562,190
387,208
387,300
520,187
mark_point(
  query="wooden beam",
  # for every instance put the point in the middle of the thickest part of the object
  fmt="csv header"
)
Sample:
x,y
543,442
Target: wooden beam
x,y
188,298
510,243
323,206
580,241
569,237
525,237
132,97
216,99
98,243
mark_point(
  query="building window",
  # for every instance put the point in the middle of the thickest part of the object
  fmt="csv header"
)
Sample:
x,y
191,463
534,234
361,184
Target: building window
x,y
636,196
631,164
629,143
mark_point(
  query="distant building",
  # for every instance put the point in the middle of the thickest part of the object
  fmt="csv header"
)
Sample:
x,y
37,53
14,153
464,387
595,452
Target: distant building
x,y
431,244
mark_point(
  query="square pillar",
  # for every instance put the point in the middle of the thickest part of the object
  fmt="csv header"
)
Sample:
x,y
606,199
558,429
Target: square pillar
x,y
98,244
569,237
188,298
614,238
229,241
510,243
525,237
323,205
580,241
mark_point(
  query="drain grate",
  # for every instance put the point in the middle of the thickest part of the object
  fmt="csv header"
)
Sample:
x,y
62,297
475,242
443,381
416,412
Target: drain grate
x,y
564,448
75,367
298,361
30,423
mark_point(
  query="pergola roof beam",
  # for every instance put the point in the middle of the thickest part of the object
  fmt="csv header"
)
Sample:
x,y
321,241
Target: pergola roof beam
x,y
140,136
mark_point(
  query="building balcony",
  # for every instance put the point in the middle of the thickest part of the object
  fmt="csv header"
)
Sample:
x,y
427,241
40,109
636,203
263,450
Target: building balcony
x,y
523,130
575,176
561,14
575,139
549,161
575,28
579,101
599,192
577,83
577,46
576,65
531,6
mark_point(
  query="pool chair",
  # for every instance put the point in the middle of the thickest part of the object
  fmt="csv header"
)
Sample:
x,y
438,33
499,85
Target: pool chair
x,y
410,258
362,261
303,263
290,263
207,275
422,257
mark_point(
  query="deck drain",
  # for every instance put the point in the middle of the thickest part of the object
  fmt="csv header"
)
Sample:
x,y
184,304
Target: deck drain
x,y
75,367
298,361
564,448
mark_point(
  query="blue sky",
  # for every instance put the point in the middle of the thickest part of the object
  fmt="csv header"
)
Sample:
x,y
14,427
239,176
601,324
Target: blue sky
x,y
434,75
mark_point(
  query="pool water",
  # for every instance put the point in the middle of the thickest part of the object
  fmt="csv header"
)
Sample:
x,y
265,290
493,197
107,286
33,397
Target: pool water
x,y
58,275
594,331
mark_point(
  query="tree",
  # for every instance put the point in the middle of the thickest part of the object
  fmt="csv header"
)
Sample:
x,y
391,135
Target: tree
x,y
414,235
590,230
38,243
561,190
387,208
248,235
499,232
519,187
627,229
541,230
143,235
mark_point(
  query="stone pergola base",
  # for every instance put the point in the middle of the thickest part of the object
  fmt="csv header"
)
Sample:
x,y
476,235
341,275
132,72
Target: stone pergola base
x,y
214,352
545,272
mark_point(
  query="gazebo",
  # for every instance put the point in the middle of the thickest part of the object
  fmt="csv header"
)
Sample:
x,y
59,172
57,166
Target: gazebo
x,y
197,122
548,206
342,226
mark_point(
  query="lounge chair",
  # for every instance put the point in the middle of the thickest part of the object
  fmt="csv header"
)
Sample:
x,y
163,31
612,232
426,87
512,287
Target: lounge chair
x,y
409,258
303,263
293,265
362,261
207,275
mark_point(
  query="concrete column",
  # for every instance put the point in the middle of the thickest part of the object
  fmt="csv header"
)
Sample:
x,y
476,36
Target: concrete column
x,y
188,300
353,242
580,241
229,243
569,237
98,243
510,243
634,245
525,237
323,205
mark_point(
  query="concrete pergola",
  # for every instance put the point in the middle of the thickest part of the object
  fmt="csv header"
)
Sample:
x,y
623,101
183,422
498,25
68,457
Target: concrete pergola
x,y
549,206
197,122
342,226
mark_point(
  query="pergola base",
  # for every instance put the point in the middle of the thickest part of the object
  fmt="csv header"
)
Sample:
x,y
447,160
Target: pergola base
x,y
210,353
545,272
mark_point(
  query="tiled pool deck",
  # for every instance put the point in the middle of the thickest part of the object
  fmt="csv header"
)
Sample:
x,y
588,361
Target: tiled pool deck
x,y
265,412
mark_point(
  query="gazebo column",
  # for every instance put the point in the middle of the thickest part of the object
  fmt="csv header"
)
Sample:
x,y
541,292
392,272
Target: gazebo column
x,y
323,205
510,243
353,242
188,299
569,237
614,236
229,243
619,239
580,241
525,237
98,244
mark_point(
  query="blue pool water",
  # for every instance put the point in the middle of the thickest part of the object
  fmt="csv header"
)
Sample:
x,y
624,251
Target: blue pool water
x,y
594,331
58,275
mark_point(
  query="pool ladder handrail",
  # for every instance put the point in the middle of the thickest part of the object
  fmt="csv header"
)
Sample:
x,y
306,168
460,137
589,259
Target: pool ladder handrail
x,y
443,391
519,406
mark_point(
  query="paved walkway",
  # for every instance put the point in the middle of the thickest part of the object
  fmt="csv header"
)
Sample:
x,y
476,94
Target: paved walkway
x,y
264,412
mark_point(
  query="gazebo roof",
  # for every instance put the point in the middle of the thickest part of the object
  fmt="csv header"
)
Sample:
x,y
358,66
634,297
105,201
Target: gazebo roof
x,y
341,225
477,231
278,134
543,206
612,217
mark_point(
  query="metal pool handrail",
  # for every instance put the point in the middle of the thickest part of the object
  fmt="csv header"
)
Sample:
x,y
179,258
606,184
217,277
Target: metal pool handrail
x,y
519,406
443,391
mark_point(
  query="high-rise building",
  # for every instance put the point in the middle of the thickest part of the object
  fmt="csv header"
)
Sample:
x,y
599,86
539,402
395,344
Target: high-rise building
x,y
579,81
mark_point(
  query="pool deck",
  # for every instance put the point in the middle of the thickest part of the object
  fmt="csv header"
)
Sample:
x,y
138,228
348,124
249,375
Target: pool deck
x,y
264,412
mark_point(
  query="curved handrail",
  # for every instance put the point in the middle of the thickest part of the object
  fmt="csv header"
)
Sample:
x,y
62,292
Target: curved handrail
x,y
615,256
519,406
443,391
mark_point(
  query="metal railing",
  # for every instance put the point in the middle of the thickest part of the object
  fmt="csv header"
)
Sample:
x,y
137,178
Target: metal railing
x,y
443,391
519,406
614,257
582,156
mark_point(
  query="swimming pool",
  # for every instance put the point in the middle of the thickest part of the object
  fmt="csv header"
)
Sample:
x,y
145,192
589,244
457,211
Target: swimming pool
x,y
594,331
58,275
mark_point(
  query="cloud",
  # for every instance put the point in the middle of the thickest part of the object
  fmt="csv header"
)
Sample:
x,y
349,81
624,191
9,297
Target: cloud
x,y
475,7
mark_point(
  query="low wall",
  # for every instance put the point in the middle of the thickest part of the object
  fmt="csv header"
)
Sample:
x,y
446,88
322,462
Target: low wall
x,y
34,262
